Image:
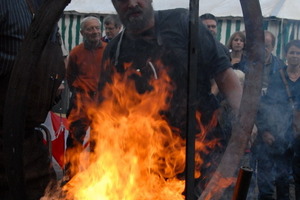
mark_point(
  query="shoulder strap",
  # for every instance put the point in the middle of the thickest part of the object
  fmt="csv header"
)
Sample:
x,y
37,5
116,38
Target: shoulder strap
x,y
119,47
157,29
288,91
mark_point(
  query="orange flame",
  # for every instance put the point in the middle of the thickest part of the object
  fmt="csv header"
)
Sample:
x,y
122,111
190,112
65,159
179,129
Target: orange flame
x,y
222,183
137,155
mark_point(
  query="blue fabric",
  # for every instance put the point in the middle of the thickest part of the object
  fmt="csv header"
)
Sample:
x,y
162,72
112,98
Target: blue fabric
x,y
273,175
170,45
275,117
242,65
296,167
275,112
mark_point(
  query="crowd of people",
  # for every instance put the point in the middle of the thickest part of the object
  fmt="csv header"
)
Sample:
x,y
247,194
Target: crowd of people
x,y
144,37
274,140
273,145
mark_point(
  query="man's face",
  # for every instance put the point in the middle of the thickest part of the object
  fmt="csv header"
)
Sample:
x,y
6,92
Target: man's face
x,y
268,47
136,15
111,31
293,56
91,32
211,25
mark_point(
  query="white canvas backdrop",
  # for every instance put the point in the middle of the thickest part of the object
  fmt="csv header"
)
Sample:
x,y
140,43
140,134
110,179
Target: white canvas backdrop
x,y
281,17
284,9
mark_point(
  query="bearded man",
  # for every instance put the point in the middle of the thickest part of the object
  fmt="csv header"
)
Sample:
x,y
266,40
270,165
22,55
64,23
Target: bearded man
x,y
152,36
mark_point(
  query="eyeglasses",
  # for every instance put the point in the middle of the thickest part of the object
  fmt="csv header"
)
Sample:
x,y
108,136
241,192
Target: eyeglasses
x,y
109,28
294,53
211,26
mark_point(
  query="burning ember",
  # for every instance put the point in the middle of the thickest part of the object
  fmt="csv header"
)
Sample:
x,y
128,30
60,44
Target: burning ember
x,y
137,155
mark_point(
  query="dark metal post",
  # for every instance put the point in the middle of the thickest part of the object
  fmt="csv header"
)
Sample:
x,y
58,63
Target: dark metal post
x,y
191,95
242,184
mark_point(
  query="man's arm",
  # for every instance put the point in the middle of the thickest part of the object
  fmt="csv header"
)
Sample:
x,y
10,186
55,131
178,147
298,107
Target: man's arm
x,y
214,88
230,86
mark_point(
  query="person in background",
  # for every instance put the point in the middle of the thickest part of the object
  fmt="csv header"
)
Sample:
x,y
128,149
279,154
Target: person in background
x,y
225,115
236,46
272,63
161,36
83,73
210,21
292,74
112,26
274,122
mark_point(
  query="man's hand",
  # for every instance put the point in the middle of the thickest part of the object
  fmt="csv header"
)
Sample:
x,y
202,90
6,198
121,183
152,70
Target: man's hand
x,y
268,138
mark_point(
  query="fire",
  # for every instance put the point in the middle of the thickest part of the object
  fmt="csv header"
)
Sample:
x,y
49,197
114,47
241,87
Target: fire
x,y
137,155
221,184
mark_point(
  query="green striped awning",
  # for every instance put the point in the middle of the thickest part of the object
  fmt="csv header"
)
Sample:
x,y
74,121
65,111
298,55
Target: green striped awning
x,y
284,30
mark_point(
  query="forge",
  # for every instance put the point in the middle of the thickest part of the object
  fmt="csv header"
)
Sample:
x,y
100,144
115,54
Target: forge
x,y
138,156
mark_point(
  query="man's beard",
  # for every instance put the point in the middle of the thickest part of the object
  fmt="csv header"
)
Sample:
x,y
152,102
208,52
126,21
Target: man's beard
x,y
136,24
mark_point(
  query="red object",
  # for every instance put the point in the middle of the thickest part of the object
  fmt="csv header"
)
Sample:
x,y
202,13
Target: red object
x,y
57,126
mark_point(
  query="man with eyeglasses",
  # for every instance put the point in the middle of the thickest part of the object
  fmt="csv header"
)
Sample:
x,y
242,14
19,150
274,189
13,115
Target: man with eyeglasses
x,y
83,76
271,148
112,25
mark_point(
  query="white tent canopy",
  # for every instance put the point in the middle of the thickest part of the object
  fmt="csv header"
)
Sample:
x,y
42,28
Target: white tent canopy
x,y
284,9
282,17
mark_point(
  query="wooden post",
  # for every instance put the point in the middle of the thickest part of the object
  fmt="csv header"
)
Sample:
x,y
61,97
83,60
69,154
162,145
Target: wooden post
x,y
15,105
242,127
